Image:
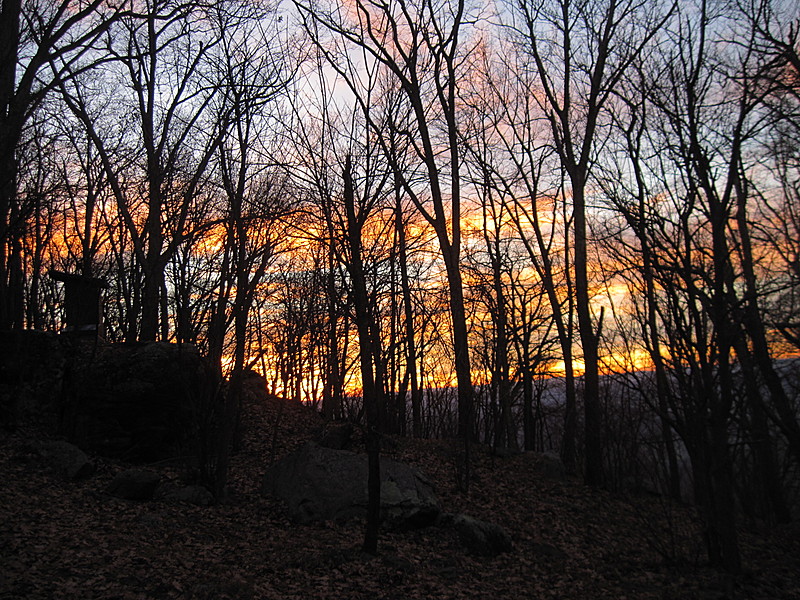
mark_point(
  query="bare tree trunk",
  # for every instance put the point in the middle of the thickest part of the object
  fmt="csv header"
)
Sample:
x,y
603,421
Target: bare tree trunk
x,y
593,424
714,494
442,42
408,316
332,393
542,260
765,462
367,357
754,323
505,433
10,129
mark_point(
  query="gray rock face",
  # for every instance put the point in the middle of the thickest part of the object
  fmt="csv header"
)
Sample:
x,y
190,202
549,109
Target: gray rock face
x,y
319,484
478,537
68,461
134,484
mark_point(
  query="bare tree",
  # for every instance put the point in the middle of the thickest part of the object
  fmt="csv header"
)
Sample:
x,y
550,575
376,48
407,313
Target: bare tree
x,y
579,67
420,46
510,144
164,56
32,36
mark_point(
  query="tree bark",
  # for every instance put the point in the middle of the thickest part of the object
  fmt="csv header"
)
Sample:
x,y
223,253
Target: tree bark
x,y
367,357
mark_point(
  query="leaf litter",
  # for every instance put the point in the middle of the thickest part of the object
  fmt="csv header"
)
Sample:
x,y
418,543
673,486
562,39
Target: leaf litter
x,y
71,540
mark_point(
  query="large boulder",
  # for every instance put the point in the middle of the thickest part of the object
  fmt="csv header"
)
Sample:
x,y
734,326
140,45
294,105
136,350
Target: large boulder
x,y
337,436
322,484
139,402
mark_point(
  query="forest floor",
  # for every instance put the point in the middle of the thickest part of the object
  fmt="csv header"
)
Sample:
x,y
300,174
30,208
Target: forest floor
x,y
72,540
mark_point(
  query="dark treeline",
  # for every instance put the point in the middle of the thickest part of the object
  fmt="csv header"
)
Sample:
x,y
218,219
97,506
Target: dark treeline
x,y
408,200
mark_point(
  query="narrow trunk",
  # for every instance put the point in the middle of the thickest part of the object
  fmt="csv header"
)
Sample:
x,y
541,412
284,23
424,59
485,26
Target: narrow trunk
x,y
153,274
528,421
754,325
331,398
723,510
707,444
593,440
463,374
366,356
662,385
408,315
540,257
10,131
768,490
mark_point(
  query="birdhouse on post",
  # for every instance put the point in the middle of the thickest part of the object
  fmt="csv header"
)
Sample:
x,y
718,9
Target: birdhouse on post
x,y
82,303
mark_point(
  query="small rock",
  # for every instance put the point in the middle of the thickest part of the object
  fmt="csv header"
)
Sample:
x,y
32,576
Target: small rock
x,y
549,466
67,460
152,520
505,452
549,551
191,494
480,538
398,563
134,484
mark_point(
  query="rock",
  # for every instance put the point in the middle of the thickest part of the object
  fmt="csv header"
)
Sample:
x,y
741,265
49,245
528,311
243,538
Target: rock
x,y
134,484
549,466
190,494
320,484
154,520
549,551
67,460
480,538
254,386
398,563
139,402
505,452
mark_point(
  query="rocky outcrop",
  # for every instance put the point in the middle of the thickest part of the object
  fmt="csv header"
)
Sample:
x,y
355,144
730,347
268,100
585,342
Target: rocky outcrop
x,y
321,484
337,436
548,465
138,402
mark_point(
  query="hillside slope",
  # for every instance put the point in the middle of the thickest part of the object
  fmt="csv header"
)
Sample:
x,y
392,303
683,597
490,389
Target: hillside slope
x,y
72,540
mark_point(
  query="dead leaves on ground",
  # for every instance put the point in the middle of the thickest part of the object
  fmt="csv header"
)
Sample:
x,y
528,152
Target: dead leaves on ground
x,y
71,540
